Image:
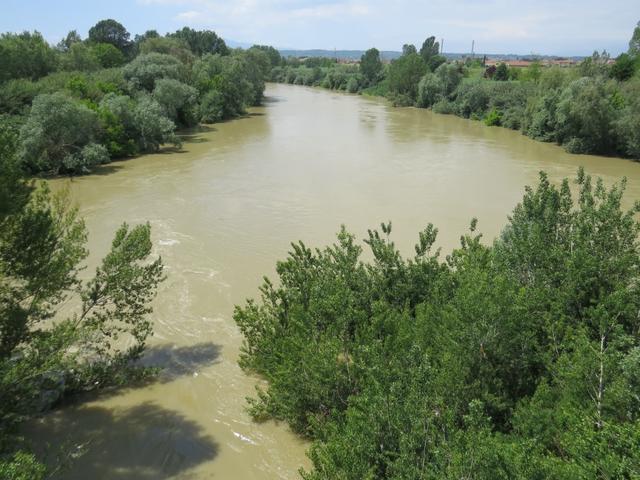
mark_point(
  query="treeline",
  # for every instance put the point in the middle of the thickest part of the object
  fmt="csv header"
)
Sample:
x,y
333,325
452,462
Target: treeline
x,y
86,102
591,108
518,360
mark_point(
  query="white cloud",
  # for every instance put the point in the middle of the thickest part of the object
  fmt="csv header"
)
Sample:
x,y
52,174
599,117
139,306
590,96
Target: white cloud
x,y
544,26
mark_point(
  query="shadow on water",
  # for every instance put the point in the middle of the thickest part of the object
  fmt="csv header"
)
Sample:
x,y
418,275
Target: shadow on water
x,y
144,442
176,361
272,99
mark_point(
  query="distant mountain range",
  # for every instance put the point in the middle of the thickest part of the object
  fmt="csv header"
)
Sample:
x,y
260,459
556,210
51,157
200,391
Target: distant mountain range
x,y
391,55
388,54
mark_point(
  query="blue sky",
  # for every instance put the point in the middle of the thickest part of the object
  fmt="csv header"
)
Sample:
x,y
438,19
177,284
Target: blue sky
x,y
563,27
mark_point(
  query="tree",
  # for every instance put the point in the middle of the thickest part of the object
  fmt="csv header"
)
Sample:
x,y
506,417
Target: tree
x,y
408,49
502,73
371,66
48,353
634,43
275,59
584,117
149,34
404,75
72,38
108,55
153,128
112,32
25,55
595,65
177,99
435,61
624,68
430,48
202,41
451,75
60,135
430,90
514,359
80,58
145,69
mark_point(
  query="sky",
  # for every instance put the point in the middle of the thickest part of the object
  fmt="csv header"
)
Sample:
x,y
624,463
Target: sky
x,y
546,27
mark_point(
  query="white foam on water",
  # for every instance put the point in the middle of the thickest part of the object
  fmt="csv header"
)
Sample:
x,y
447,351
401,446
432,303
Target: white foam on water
x,y
169,242
244,439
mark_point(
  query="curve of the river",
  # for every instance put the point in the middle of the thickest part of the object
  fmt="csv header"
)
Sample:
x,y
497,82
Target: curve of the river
x,y
226,207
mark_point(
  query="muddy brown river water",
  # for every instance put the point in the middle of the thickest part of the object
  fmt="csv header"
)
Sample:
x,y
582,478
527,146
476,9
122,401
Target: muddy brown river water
x,y
225,209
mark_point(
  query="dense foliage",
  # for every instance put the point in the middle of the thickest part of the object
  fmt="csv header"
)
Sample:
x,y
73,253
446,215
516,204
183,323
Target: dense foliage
x,y
591,108
519,359
49,351
85,102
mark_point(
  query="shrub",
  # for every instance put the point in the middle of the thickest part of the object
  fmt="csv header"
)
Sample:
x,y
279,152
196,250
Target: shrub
x,y
430,90
55,133
146,69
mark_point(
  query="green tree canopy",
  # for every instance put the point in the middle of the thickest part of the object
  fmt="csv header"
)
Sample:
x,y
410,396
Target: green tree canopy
x,y
48,353
408,49
60,135
634,43
371,65
202,41
404,75
624,68
108,55
430,48
25,55
145,69
112,32
513,359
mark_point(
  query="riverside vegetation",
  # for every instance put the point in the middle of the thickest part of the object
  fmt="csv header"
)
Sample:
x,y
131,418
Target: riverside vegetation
x,y
515,360
592,108
66,109
48,353
85,102
518,359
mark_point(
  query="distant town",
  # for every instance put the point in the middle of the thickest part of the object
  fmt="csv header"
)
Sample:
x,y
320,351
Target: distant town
x,y
489,59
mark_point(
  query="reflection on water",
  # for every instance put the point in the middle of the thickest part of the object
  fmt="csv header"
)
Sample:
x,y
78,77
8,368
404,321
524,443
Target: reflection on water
x,y
227,205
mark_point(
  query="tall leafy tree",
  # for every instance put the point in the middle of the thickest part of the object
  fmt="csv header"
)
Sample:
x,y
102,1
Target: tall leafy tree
x,y
371,65
112,32
408,49
202,41
45,354
430,48
25,55
634,43
404,75
516,359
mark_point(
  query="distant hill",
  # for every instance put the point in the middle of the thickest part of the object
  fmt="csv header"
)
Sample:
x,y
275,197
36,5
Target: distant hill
x,y
340,54
391,55
235,44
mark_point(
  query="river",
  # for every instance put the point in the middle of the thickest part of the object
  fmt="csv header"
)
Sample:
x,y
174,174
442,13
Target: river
x,y
225,209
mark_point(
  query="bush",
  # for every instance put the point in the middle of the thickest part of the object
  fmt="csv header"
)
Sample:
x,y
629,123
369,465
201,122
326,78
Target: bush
x,y
494,118
55,133
143,72
25,55
108,55
353,85
177,99
481,365
153,128
431,89
403,76
585,117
